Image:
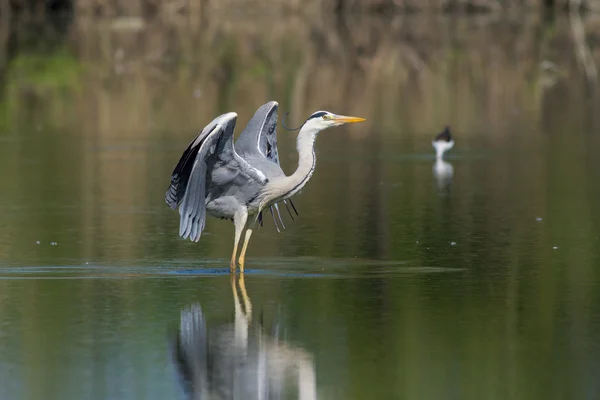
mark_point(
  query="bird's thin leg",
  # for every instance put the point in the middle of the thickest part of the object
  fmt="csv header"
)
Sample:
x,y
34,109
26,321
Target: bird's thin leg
x,y
279,215
236,300
240,319
244,248
247,303
239,220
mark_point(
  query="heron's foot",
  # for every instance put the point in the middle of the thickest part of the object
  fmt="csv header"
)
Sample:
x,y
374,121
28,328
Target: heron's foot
x,y
232,266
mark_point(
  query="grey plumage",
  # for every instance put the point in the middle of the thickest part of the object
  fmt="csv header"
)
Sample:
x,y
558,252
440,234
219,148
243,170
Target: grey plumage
x,y
210,161
235,181
258,145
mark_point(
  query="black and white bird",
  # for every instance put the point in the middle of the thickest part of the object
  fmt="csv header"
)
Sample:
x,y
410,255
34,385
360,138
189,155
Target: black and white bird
x,y
442,143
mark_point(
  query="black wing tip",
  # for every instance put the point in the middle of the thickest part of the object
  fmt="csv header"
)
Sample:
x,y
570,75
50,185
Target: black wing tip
x,y
445,135
170,200
171,197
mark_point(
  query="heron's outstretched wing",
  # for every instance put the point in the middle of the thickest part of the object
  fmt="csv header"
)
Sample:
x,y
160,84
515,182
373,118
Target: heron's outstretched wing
x,y
212,154
259,137
259,140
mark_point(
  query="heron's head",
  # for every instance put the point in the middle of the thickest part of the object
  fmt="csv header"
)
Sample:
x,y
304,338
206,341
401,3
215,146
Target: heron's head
x,y
324,119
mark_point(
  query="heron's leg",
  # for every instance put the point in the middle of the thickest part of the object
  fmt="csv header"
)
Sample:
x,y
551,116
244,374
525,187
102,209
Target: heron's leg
x,y
240,319
239,221
247,303
244,248
247,311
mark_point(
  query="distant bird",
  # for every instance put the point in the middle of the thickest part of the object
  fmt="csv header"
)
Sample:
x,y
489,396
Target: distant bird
x,y
442,143
237,181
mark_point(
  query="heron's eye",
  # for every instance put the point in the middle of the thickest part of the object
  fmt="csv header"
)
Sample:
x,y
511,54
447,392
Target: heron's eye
x,y
326,117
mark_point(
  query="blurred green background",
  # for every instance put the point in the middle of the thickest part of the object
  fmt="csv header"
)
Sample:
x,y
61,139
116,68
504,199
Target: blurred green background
x,y
398,283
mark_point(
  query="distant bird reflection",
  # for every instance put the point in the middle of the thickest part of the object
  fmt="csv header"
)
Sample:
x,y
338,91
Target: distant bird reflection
x,y
442,170
237,361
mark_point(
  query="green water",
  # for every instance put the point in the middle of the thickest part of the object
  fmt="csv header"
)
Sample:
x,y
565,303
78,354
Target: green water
x,y
393,283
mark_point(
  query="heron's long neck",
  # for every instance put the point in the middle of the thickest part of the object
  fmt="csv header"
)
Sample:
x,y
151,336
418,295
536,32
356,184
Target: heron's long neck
x,y
287,186
305,144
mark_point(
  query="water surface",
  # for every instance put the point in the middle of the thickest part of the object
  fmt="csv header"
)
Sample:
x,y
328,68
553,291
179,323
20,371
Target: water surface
x,y
394,282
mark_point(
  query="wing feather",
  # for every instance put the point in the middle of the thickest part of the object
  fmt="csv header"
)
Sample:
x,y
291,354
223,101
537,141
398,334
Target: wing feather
x,y
211,151
259,139
181,173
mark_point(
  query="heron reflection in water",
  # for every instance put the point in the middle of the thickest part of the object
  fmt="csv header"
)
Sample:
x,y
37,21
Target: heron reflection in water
x,y
442,170
237,361
239,181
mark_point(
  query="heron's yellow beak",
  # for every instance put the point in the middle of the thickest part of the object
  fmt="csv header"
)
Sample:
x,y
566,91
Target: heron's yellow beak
x,y
343,119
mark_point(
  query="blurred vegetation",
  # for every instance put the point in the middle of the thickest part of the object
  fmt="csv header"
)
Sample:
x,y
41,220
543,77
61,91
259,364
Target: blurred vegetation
x,y
33,77
39,8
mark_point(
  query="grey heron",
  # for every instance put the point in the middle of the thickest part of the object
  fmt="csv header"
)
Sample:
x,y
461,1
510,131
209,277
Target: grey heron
x,y
238,181
442,143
